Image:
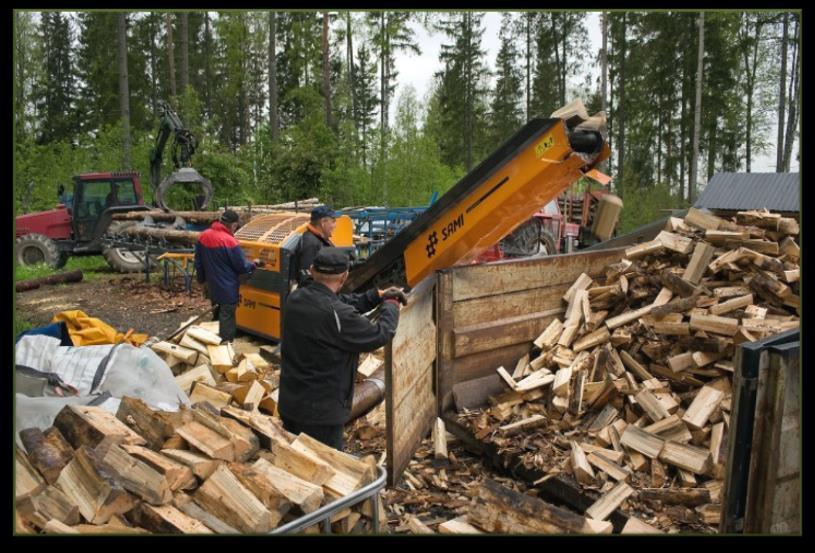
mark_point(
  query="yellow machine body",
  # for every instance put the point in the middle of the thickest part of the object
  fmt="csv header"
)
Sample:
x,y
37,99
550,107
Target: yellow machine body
x,y
499,204
273,239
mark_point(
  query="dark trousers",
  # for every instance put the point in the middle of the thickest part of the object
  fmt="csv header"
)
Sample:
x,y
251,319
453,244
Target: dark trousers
x,y
330,435
225,315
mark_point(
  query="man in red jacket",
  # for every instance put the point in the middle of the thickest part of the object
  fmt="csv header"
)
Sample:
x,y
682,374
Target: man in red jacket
x,y
219,261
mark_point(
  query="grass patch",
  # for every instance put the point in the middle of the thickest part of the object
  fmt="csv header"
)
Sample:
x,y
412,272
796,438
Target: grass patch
x,y
21,324
93,267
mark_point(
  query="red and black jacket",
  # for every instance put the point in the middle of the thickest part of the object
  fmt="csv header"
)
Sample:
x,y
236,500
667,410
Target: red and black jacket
x,y
219,260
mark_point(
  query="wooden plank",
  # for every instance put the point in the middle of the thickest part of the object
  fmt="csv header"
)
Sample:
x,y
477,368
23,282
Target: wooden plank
x,y
560,386
732,305
636,367
671,329
506,377
690,458
520,367
267,430
715,324
203,392
675,242
472,281
644,249
529,423
50,504
627,317
716,439
200,373
502,510
417,527
703,405
189,343
439,440
651,406
549,337
179,352
607,454
612,469
581,283
220,358
681,362
178,475
581,468
305,495
689,497
203,336
134,475
166,519
410,362
48,453
86,425
458,526
606,504
208,441
224,496
700,219
98,498
152,425
636,526
642,441
350,473
719,237
593,339
186,505
200,465
535,380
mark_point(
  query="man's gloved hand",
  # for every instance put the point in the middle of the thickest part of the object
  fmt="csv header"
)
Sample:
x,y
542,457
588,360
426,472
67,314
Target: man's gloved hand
x,y
394,293
258,263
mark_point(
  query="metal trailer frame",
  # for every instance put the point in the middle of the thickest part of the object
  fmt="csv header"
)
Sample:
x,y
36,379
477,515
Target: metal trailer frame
x,y
324,513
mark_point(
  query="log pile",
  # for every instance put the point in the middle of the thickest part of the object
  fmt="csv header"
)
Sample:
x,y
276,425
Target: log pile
x,y
630,394
197,471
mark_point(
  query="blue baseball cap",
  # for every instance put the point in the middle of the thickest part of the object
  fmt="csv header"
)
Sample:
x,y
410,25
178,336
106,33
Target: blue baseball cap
x,y
322,211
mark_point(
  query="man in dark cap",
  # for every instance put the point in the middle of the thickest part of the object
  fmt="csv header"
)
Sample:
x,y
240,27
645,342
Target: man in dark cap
x,y
317,236
323,334
219,260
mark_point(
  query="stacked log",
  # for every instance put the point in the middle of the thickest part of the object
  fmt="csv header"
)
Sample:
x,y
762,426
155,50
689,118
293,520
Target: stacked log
x,y
631,393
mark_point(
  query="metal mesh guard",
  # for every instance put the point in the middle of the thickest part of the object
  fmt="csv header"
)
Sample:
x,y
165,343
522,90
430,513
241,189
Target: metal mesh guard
x,y
272,228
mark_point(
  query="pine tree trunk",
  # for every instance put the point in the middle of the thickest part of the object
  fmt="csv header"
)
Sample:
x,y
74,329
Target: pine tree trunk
x,y
185,51
153,66
751,81
621,112
782,100
19,111
326,75
792,120
124,91
351,79
604,66
697,112
528,65
170,53
273,122
207,66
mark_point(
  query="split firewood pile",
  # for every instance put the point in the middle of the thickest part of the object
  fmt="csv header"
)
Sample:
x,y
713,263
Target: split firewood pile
x,y
238,374
630,394
199,470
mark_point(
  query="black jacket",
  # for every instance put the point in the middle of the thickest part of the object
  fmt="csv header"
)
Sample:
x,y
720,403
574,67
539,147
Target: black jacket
x,y
307,249
323,335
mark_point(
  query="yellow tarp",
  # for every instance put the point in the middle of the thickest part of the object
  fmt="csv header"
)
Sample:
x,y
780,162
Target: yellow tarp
x,y
90,331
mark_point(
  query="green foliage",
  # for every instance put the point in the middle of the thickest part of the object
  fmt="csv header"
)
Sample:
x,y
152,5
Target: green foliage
x,y
644,205
93,267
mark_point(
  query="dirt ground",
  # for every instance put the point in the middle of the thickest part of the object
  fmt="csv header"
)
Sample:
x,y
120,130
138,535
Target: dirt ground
x,y
122,301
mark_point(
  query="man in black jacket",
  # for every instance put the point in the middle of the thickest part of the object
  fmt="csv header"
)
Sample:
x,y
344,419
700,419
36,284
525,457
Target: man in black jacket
x,y
323,334
316,237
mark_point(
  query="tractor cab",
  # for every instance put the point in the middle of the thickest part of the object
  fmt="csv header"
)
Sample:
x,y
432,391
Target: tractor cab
x,y
95,194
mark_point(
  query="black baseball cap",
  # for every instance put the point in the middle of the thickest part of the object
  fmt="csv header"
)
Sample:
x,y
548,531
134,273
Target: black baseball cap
x,y
229,217
331,261
322,211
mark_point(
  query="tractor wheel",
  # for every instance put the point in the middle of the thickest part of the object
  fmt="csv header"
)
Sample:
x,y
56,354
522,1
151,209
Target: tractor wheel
x,y
123,260
548,245
34,249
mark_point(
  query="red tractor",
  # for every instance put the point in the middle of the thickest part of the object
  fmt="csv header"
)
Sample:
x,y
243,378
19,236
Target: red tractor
x,y
77,224
566,224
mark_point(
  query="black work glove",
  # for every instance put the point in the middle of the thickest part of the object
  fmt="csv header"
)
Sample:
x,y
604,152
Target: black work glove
x,y
258,263
394,293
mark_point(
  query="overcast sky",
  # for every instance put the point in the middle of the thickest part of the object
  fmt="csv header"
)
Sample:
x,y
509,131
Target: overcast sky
x,y
418,71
